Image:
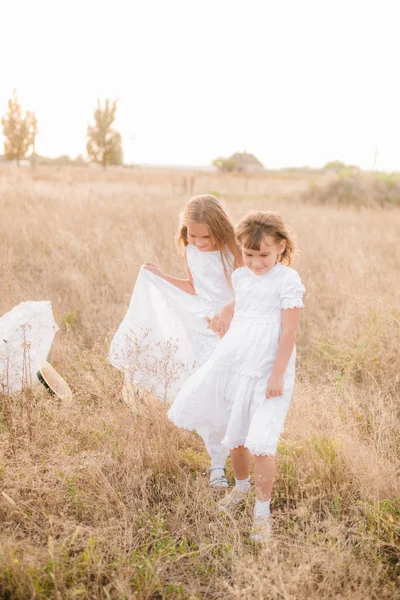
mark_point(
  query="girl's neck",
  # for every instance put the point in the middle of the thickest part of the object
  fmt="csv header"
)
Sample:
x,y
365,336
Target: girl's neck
x,y
214,249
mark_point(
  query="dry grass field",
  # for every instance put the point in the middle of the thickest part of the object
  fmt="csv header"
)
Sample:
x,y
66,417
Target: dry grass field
x,y
99,503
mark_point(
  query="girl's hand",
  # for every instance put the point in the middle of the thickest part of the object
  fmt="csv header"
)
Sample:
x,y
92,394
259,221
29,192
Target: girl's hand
x,y
225,319
274,386
214,324
154,268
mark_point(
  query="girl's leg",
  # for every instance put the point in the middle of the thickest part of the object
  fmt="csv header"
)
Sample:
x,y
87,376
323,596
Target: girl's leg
x,y
240,458
240,462
218,455
217,452
264,472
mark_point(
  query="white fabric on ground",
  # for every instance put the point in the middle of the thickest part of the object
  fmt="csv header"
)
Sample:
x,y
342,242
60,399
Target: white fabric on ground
x,y
26,335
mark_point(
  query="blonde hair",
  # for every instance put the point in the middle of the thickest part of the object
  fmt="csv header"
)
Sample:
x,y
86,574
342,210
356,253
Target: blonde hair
x,y
208,210
253,228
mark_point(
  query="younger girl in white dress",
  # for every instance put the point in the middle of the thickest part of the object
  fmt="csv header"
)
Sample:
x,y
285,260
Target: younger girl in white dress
x,y
164,336
243,392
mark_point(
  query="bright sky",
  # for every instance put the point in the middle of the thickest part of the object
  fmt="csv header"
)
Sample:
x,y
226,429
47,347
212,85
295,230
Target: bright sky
x,y
296,82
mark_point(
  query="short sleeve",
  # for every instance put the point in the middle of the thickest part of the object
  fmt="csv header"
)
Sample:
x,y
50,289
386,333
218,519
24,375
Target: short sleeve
x,y
292,291
236,276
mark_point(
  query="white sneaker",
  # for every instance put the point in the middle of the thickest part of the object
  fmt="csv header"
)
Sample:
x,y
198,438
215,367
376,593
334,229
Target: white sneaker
x,y
218,479
261,530
232,501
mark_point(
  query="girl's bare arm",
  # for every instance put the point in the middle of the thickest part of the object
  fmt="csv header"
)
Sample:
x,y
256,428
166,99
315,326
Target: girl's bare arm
x,y
185,285
290,320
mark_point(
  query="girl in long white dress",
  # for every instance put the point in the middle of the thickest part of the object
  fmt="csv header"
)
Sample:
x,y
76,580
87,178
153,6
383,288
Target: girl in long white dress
x,y
243,392
164,336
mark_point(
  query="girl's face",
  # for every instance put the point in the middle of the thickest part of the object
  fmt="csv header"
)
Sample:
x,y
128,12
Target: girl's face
x,y
200,236
262,260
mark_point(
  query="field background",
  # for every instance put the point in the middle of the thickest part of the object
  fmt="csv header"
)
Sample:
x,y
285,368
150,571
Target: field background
x,y
99,503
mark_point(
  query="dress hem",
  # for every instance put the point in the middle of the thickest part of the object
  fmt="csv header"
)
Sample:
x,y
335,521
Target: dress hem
x,y
254,449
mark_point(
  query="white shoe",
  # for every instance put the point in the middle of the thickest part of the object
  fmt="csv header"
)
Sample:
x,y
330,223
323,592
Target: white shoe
x,y
232,501
261,530
218,479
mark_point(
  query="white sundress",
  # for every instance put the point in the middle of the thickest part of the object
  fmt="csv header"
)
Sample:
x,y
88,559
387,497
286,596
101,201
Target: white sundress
x,y
226,396
26,336
164,337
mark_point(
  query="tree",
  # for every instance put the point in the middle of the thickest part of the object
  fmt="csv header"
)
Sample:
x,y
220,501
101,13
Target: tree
x,y
104,145
335,165
19,131
225,164
340,167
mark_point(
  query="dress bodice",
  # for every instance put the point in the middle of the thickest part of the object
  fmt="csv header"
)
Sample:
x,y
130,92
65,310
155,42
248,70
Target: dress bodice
x,y
262,297
209,275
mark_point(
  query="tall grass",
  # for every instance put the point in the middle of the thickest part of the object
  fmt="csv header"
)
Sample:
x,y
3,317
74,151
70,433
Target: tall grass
x,y
351,188
99,503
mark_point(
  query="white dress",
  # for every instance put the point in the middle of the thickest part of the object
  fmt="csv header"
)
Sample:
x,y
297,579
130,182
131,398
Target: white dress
x,y
227,394
26,335
164,337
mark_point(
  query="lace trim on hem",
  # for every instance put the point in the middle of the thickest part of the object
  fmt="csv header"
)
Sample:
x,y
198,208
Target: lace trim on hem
x,y
292,303
254,449
233,445
261,450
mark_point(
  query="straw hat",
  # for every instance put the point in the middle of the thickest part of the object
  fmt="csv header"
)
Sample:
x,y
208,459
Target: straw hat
x,y
52,381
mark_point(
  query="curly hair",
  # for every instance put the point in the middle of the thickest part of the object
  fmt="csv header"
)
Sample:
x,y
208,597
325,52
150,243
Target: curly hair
x,y
253,228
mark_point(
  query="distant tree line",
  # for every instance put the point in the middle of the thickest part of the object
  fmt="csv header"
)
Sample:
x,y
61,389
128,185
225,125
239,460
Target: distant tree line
x,y
104,143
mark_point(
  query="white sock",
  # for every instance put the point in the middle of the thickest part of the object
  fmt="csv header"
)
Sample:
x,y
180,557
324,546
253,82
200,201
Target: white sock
x,y
261,509
243,484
